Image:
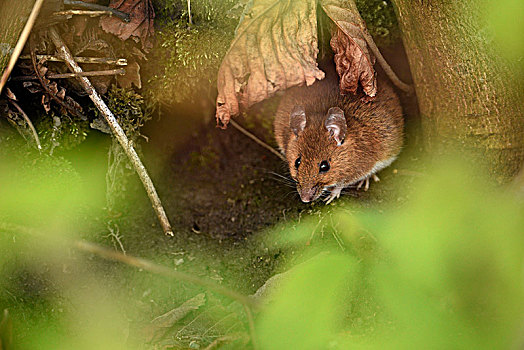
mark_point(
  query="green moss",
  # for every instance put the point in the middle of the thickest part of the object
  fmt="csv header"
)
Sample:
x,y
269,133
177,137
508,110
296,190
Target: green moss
x,y
129,108
191,54
380,20
61,131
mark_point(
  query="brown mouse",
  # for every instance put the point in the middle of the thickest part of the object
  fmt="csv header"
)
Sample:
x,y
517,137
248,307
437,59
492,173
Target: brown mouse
x,y
332,141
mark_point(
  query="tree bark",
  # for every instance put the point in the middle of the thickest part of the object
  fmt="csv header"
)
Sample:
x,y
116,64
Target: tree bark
x,y
468,94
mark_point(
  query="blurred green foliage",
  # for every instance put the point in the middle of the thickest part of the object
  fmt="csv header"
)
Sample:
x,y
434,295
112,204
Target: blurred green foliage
x,y
505,19
442,271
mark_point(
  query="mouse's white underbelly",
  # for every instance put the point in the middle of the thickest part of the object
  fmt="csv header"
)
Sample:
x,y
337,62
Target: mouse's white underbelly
x,y
381,164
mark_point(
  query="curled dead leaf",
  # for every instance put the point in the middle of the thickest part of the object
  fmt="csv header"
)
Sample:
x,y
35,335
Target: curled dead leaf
x,y
354,62
275,47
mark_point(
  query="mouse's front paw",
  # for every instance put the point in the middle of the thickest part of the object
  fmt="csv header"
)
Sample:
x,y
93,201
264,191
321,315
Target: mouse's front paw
x,y
365,182
335,193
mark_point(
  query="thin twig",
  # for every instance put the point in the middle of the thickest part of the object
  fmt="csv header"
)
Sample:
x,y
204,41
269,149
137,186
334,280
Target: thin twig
x,y
97,73
189,12
93,60
89,6
21,42
117,131
90,13
387,68
257,140
28,121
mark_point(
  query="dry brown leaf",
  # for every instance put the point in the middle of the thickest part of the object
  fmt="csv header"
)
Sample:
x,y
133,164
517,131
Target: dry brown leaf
x,y
10,94
45,103
141,13
61,93
132,76
353,60
275,48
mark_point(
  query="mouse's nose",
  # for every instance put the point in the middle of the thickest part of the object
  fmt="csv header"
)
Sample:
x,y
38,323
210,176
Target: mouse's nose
x,y
307,194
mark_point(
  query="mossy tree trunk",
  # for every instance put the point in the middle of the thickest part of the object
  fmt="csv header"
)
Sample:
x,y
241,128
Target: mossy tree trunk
x,y
468,94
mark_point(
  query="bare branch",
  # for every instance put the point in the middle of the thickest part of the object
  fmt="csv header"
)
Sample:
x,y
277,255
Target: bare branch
x,y
97,73
94,60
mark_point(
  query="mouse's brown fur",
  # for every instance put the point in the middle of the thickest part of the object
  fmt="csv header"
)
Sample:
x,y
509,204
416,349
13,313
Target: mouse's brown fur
x,y
372,141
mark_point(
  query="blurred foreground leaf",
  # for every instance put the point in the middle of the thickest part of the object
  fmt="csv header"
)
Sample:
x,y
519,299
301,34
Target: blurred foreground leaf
x,y
444,270
305,314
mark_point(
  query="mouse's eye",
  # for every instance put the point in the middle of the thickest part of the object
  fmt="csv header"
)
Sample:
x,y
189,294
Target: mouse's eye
x,y
324,166
297,162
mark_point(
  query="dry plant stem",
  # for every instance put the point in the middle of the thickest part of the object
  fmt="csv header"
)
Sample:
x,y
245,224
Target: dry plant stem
x,y
387,68
94,60
165,271
74,75
117,131
110,254
28,121
257,140
147,265
21,42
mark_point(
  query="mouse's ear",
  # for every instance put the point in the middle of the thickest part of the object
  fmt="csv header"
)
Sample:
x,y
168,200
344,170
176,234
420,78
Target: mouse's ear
x,y
297,120
335,123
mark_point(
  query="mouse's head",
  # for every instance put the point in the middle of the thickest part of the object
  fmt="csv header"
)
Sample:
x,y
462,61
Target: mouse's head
x,y
318,152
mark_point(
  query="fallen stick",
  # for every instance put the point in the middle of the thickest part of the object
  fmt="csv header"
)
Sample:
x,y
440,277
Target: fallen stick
x,y
97,73
116,129
21,42
93,60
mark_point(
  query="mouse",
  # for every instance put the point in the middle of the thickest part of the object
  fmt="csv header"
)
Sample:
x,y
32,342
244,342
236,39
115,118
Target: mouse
x,y
333,141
